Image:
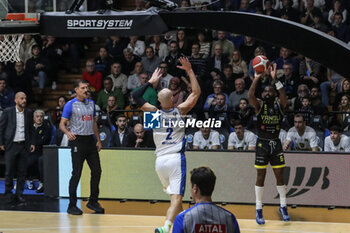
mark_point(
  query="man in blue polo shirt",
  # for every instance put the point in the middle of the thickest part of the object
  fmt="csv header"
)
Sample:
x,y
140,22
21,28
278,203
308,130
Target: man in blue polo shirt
x,y
78,122
204,216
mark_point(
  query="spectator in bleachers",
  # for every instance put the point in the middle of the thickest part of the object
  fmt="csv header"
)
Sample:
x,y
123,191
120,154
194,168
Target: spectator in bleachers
x,y
204,45
115,46
310,72
52,52
286,57
144,139
338,7
7,96
122,136
25,50
244,112
165,78
206,139
239,66
271,7
184,46
344,89
289,80
229,79
132,107
92,76
239,93
159,47
336,141
3,74
129,61
219,105
307,15
340,29
332,83
218,61
316,103
248,48
289,12
241,139
173,58
198,63
295,103
150,94
119,79
137,46
344,107
244,7
150,62
319,24
226,45
106,92
103,62
18,80
140,5
57,113
306,109
112,107
36,67
178,95
303,137
210,101
42,135
134,79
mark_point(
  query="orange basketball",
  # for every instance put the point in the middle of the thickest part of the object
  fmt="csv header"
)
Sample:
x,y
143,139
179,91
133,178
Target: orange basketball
x,y
260,64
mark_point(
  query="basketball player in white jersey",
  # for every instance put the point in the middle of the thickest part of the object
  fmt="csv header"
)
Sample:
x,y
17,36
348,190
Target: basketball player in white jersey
x,y
170,141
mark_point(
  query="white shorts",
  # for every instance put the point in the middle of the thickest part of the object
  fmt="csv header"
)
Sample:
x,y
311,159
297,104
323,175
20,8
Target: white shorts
x,y
171,170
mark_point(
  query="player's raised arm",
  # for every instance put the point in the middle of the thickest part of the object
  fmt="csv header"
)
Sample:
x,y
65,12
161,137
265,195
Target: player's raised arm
x,y
279,87
191,100
137,95
251,93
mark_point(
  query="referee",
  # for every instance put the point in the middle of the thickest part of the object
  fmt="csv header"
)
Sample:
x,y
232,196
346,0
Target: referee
x,y
79,115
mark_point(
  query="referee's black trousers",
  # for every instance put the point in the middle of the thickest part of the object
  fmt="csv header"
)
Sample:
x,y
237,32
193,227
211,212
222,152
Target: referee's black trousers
x,y
84,147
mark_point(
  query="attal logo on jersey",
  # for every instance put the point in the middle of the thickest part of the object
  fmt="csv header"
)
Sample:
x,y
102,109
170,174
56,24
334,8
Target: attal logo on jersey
x,y
152,120
301,186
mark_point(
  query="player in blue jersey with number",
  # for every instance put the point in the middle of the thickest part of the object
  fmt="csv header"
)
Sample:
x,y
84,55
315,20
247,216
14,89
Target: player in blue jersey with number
x,y
78,122
205,216
170,140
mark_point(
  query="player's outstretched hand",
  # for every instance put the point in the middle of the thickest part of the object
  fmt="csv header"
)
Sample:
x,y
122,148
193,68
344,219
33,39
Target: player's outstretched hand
x,y
273,72
185,64
155,76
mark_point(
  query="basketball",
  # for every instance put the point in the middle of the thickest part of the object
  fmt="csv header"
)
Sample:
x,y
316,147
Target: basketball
x,y
260,64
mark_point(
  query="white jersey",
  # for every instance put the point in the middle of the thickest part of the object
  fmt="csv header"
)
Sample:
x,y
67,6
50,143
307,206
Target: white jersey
x,y
249,140
283,136
304,142
343,146
169,139
207,144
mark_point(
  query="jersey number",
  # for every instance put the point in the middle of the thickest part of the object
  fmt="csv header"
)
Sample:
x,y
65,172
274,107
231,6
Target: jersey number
x,y
169,130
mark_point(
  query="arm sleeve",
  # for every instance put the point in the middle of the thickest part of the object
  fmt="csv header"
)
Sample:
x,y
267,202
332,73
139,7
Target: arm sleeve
x,y
216,139
313,140
289,136
252,140
137,95
230,139
195,140
179,224
326,144
347,148
235,225
67,110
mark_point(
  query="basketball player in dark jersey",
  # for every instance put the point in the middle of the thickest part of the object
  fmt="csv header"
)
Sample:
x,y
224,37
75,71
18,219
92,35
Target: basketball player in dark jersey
x,y
269,111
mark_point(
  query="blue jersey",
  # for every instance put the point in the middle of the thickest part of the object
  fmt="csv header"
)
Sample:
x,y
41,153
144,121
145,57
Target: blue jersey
x,y
205,218
80,115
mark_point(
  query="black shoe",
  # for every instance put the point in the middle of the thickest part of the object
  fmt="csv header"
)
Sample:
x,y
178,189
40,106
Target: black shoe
x,y
10,198
74,210
20,201
95,206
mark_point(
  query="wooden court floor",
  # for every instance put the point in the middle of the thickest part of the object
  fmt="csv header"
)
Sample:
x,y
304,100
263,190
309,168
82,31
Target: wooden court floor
x,y
135,217
41,222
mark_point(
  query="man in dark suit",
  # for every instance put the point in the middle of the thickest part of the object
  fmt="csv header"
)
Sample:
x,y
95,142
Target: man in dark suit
x,y
16,139
142,138
122,136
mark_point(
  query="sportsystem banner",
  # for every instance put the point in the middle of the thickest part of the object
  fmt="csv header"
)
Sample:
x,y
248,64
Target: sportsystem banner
x,y
111,23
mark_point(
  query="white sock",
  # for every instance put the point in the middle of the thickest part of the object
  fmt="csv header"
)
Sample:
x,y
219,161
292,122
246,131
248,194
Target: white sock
x,y
259,191
282,192
167,225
